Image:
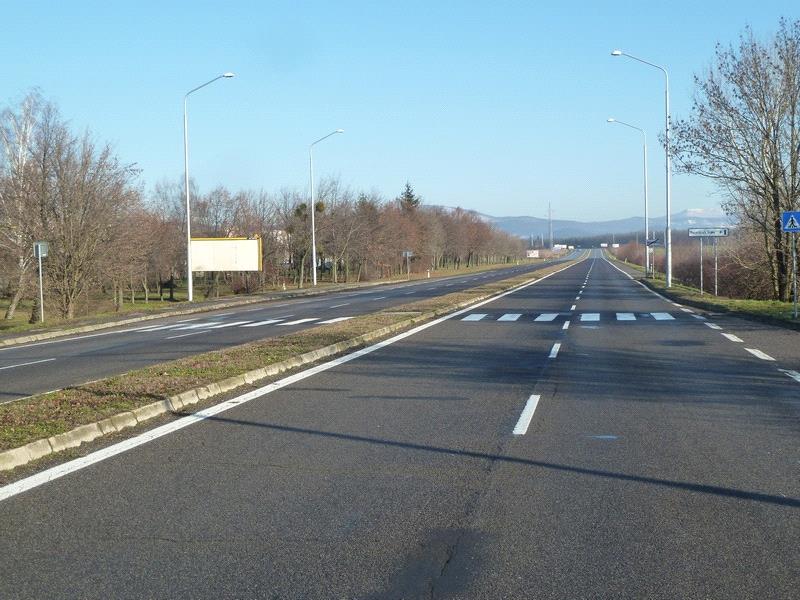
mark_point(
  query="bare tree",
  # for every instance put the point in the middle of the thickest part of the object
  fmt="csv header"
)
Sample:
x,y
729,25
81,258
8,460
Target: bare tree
x,y
744,133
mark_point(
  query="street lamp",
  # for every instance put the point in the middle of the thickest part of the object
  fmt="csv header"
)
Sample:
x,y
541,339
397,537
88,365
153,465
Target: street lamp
x,y
186,173
311,177
646,208
668,231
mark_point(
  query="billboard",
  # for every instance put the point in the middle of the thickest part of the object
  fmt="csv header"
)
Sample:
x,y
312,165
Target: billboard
x,y
226,254
532,253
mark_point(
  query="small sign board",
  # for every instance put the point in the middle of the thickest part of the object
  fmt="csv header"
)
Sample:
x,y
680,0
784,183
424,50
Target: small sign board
x,y
708,232
790,220
532,253
40,249
407,254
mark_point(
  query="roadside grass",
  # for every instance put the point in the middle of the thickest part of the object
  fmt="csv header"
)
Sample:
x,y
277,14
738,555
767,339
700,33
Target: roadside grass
x,y
45,415
770,311
101,309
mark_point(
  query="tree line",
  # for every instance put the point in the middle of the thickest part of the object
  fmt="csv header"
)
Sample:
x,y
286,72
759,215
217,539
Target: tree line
x,y
110,238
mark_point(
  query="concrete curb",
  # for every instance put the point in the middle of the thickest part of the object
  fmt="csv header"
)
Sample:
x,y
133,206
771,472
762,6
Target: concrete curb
x,y
16,457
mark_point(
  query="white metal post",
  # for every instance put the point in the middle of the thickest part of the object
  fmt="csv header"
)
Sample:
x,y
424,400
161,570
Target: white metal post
x,y
794,272
715,266
41,290
701,266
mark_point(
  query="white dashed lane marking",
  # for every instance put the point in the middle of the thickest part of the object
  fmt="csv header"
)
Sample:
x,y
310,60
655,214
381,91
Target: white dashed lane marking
x,y
759,354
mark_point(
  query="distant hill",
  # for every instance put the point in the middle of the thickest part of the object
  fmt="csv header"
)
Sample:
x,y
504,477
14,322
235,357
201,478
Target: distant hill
x,y
535,226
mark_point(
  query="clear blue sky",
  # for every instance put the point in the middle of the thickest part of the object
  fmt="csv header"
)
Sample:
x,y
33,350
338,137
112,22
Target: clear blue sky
x,y
494,106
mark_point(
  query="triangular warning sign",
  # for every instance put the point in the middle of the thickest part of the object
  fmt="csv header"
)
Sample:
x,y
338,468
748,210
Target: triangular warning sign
x,y
791,223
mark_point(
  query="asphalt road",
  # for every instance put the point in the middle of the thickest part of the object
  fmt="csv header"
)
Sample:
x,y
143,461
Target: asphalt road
x,y
655,456
54,364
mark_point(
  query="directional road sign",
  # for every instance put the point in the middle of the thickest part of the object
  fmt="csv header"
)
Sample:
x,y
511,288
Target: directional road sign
x,y
790,220
708,232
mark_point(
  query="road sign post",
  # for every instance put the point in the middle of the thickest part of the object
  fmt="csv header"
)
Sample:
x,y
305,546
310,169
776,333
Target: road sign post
x,y
790,222
408,254
712,232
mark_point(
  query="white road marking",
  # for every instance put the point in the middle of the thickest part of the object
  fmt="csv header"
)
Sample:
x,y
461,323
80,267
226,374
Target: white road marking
x,y
566,325
187,320
298,321
688,310
626,317
546,317
793,374
474,317
524,421
510,317
34,362
260,323
231,324
183,335
348,304
406,294
733,338
759,354
699,317
379,298
659,316
573,307
196,326
712,326
554,350
336,320
66,468
161,327
577,297
590,317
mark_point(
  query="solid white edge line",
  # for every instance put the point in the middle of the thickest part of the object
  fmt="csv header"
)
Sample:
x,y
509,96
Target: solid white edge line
x,y
35,362
77,464
759,354
554,350
521,428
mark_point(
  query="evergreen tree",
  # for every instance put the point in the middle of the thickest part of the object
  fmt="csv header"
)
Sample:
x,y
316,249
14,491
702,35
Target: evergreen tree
x,y
408,199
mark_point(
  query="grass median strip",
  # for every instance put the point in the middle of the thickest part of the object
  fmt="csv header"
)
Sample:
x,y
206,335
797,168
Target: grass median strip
x,y
40,417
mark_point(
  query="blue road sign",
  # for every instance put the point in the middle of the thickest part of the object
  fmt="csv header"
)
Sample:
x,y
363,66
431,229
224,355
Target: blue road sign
x,y
791,221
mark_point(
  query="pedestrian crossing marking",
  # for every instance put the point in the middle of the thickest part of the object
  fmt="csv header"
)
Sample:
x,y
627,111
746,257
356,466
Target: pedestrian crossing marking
x,y
590,316
510,317
626,317
474,317
546,317
659,316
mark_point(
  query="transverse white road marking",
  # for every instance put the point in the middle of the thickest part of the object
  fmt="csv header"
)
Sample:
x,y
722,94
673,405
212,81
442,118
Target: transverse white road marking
x,y
732,337
554,350
474,317
626,317
566,325
659,316
590,317
524,421
546,317
336,320
759,354
34,362
793,374
231,324
712,326
298,321
260,323
510,317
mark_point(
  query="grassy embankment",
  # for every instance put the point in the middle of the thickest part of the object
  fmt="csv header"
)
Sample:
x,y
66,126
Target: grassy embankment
x,y
771,311
49,414
100,308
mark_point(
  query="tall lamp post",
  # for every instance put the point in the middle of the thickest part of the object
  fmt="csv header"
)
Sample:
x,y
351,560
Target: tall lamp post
x,y
186,173
313,229
646,207
668,231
